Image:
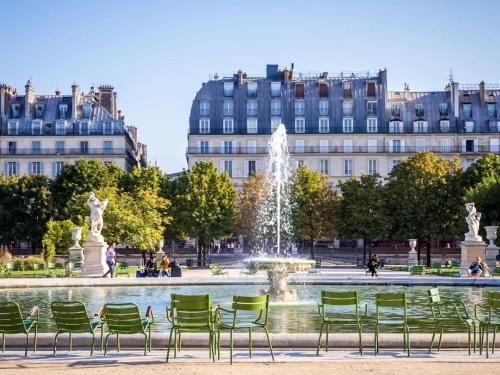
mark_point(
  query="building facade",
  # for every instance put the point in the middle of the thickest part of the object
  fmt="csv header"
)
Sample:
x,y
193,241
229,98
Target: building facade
x,y
41,133
341,125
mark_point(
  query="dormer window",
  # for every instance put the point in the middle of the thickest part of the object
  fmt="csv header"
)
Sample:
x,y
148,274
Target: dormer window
x,y
371,89
396,127
252,89
299,107
12,127
252,108
228,108
83,128
38,111
347,89
60,127
63,110
108,127
15,110
204,108
275,89
491,109
467,107
444,126
347,107
228,88
420,127
36,127
443,109
419,110
323,90
371,108
86,110
395,110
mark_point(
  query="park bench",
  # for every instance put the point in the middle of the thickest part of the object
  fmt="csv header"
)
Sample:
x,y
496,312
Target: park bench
x,y
217,270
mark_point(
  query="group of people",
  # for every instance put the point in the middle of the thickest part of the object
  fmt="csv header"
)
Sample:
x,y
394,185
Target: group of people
x,y
166,268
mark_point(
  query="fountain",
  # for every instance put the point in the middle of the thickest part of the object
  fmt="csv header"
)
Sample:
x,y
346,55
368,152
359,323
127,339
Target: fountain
x,y
273,229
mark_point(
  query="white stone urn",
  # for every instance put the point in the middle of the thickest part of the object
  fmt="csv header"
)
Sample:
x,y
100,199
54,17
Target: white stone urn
x,y
76,235
76,251
491,234
491,250
159,251
412,254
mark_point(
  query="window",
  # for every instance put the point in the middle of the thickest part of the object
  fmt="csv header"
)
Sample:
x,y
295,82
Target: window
x,y
83,128
228,108
444,126
35,147
57,168
347,145
348,167
204,147
84,147
372,167
204,108
371,108
420,127
395,110
252,108
252,125
371,89
35,167
445,145
204,126
371,125
36,127
228,126
494,144
347,108
469,126
275,89
467,107
491,109
108,147
324,125
393,163
15,110
495,126
396,127
299,90
323,107
228,167
12,128
275,121
347,126
252,146
38,111
87,107
12,168
276,107
60,127
59,147
470,145
228,88
347,91
323,145
300,125
252,89
419,110
118,127
420,145
252,167
397,145
107,127
63,111
12,148
299,145
443,109
228,147
300,108
323,90
324,167
372,145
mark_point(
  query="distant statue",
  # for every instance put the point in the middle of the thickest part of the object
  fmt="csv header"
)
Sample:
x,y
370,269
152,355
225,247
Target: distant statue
x,y
472,219
96,221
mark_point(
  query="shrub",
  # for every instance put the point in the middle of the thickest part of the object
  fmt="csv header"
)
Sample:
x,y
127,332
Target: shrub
x,y
5,255
18,264
59,263
57,239
30,262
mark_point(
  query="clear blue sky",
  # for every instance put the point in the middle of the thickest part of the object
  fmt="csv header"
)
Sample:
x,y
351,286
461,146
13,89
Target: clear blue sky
x,y
157,53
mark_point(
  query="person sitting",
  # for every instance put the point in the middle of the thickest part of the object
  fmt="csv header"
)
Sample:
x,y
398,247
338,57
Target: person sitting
x,y
152,267
164,266
476,269
373,265
175,269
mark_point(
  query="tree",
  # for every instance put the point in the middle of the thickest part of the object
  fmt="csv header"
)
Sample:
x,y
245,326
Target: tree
x,y
314,207
486,167
360,213
423,199
7,216
150,178
57,238
203,205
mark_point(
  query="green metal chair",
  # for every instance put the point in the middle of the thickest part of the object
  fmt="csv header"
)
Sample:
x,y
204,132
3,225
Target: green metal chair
x,y
391,302
125,318
217,270
190,313
72,317
455,319
417,270
11,322
254,313
491,321
336,318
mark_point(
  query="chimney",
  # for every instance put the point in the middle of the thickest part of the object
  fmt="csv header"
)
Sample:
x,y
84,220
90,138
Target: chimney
x,y
76,96
107,99
3,100
29,99
115,107
481,93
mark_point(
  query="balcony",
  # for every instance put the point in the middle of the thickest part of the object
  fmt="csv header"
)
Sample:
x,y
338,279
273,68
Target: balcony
x,y
69,131
65,152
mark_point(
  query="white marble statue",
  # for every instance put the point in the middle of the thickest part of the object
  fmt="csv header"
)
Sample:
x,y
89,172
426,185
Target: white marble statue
x,y
96,221
472,220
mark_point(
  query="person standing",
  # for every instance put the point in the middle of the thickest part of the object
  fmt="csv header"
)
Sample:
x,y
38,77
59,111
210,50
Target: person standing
x,y
373,265
110,260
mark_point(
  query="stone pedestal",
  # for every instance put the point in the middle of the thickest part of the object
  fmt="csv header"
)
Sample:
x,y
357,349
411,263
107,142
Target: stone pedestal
x,y
76,254
491,257
94,264
412,258
469,251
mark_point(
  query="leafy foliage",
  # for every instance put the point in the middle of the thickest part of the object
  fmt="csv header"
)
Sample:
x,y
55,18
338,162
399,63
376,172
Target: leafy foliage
x,y
57,238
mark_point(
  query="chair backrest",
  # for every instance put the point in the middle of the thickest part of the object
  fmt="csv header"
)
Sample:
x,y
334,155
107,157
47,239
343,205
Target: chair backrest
x,y
351,298
71,316
123,318
493,301
391,300
195,310
11,320
259,304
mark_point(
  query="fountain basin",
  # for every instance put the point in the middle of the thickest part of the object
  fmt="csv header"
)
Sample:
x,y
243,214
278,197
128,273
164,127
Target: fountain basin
x,y
291,264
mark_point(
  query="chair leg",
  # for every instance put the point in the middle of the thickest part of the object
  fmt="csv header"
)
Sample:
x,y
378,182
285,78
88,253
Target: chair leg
x,y
319,340
70,342
169,343
3,342
433,336
468,338
408,340
474,327
404,339
212,343
360,344
92,347
106,344
180,342
218,343
150,340
118,342
493,342
176,338
146,340
487,340
55,343
231,346
250,342
269,342
102,337
481,338
326,336
376,343
26,345
36,337
440,337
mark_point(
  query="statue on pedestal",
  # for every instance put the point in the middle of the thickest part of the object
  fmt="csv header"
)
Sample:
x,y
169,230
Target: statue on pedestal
x,y
95,221
473,217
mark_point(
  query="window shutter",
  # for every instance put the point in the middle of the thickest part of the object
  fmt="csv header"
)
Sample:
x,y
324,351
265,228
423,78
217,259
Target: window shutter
x,y
476,145
54,169
30,168
42,171
18,169
5,168
463,145
402,145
